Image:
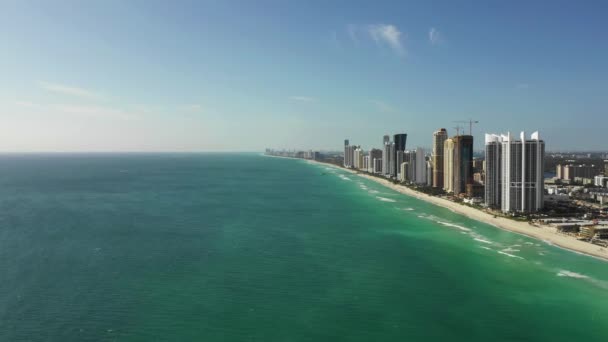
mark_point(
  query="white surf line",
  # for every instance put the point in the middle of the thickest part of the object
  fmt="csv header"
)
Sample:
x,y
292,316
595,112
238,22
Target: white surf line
x,y
570,274
510,255
420,196
384,199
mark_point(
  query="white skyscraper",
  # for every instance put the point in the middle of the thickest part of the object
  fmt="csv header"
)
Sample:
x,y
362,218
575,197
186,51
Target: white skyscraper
x,y
517,176
386,151
420,166
357,158
392,162
349,151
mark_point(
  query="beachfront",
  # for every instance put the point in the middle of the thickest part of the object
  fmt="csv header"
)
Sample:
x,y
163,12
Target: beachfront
x,y
546,234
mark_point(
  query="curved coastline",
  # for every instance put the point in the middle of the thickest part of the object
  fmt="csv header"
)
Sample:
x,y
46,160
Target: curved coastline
x,y
547,235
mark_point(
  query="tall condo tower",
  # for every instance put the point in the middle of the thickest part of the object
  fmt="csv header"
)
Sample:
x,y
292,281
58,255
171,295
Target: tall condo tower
x,y
439,138
399,140
346,161
518,172
463,163
386,151
420,166
493,184
448,165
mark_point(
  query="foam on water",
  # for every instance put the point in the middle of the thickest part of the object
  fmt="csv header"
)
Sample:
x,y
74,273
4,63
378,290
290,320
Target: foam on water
x,y
570,274
484,241
449,224
407,209
510,255
384,199
484,247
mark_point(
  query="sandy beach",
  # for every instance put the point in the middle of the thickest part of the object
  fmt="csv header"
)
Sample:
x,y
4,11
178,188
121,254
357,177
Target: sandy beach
x,y
546,234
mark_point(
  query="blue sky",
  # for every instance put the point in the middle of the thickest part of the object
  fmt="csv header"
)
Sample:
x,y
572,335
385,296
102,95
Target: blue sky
x,y
241,76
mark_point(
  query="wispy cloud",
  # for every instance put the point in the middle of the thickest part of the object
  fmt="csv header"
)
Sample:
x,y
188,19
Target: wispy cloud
x,y
191,107
388,35
435,37
302,98
522,86
69,90
99,112
383,106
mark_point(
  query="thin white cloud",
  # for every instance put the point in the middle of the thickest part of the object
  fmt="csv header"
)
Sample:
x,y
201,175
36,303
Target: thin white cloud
x,y
191,107
302,98
388,35
69,90
435,37
99,112
383,106
522,86
27,104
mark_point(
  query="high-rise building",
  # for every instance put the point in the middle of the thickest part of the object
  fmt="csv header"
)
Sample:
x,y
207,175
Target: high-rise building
x,y
403,172
523,173
437,159
386,151
429,173
448,165
399,159
400,141
349,156
493,184
420,166
358,158
377,165
347,161
366,164
392,162
410,159
520,179
375,153
463,163
385,139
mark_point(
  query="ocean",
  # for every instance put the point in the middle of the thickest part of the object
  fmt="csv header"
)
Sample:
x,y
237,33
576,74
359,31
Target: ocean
x,y
243,247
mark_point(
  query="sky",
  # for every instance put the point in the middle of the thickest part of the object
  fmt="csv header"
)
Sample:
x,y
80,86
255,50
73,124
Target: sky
x,y
245,75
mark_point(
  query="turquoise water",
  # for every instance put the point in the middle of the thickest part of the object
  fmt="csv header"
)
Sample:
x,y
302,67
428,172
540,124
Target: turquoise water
x,y
241,247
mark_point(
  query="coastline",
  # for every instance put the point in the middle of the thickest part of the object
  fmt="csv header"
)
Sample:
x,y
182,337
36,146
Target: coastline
x,y
545,234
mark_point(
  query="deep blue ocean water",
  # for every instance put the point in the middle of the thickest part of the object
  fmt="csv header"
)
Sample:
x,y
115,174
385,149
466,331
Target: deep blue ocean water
x,y
242,247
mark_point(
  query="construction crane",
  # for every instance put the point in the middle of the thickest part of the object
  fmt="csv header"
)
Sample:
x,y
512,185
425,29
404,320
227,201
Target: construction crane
x,y
458,128
470,122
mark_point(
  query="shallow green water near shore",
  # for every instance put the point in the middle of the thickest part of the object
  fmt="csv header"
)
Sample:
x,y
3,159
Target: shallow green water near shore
x,y
241,247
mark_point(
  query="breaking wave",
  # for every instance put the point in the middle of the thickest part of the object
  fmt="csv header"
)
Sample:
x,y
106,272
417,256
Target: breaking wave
x,y
570,274
384,199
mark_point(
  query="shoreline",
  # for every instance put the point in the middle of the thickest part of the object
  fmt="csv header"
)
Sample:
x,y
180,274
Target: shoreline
x,y
545,234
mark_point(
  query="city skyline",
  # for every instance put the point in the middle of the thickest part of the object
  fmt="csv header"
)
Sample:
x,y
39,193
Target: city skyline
x,y
189,76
